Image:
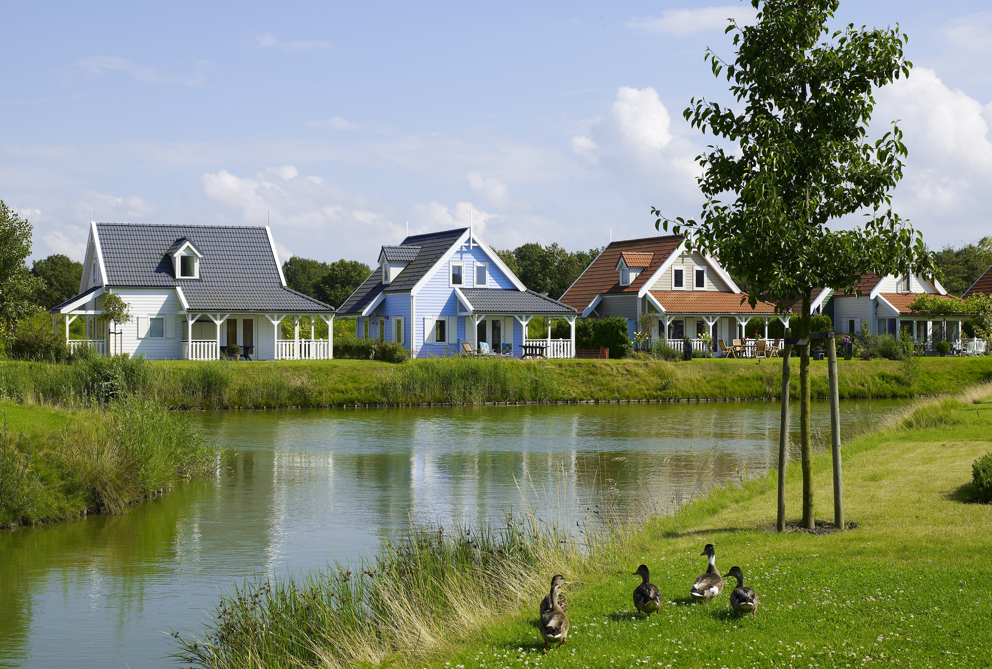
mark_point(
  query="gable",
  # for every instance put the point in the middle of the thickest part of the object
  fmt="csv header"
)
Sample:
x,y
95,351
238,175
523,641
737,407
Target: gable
x,y
981,287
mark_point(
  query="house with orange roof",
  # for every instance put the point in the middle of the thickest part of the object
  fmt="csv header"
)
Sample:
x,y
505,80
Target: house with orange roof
x,y
883,304
981,287
684,294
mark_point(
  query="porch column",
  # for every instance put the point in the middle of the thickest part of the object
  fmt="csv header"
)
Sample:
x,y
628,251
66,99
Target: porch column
x,y
766,327
667,320
710,322
741,323
218,320
571,322
548,322
67,322
296,337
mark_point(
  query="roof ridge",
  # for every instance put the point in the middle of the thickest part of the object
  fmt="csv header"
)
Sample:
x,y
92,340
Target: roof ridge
x,y
433,234
180,225
645,239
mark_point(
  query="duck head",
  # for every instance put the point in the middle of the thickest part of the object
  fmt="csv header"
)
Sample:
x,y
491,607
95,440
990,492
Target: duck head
x,y
558,580
736,573
642,571
710,552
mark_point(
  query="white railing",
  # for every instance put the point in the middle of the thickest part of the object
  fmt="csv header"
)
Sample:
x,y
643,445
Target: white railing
x,y
99,346
315,349
286,349
556,348
701,345
201,350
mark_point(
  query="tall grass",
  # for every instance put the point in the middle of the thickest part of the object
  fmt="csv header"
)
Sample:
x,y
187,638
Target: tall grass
x,y
470,381
96,460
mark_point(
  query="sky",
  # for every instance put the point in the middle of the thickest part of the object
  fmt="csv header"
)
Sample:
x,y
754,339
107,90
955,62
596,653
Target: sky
x,y
343,125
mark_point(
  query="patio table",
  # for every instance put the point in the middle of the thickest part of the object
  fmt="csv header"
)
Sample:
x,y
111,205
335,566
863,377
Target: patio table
x,y
533,351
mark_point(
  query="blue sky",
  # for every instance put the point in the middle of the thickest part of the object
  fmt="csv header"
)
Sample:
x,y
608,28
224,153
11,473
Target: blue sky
x,y
346,122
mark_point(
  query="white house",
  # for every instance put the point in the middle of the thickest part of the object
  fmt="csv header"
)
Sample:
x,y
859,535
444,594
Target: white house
x,y
192,291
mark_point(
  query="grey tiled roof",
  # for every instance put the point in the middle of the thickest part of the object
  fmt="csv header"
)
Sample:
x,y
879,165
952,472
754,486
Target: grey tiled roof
x,y
432,246
88,291
178,245
238,270
512,301
400,253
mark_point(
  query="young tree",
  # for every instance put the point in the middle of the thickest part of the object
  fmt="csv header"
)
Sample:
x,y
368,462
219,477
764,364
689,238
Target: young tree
x,y
802,159
17,285
304,275
61,276
117,312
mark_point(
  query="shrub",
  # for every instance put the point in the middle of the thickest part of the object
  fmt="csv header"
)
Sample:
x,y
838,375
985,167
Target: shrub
x,y
696,353
35,340
981,474
583,333
943,347
387,351
665,352
819,323
887,347
612,333
350,348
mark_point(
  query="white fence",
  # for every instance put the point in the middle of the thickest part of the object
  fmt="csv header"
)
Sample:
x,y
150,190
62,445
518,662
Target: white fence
x,y
201,350
309,349
556,348
98,346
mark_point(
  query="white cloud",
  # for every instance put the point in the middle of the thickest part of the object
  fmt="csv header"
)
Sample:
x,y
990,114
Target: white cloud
x,y
688,21
494,190
310,216
336,123
970,33
97,66
434,216
73,246
266,41
636,145
945,188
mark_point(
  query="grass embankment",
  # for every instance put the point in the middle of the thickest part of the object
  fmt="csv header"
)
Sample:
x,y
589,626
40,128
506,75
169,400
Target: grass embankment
x,y
907,586
180,384
99,450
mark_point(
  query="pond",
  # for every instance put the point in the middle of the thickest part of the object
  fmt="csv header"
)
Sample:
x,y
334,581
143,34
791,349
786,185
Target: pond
x,y
297,489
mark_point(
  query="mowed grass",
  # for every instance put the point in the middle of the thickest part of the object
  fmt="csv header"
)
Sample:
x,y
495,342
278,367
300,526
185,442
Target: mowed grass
x,y
910,586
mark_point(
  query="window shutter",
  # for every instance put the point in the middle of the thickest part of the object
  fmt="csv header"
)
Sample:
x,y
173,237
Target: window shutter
x,y
452,330
429,335
142,322
170,328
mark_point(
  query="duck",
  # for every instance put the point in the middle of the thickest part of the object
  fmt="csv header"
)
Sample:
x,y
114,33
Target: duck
x,y
562,602
710,583
742,599
554,623
647,599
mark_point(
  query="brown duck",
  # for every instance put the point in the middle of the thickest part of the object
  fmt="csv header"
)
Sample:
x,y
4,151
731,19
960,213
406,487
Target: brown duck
x,y
742,599
562,602
710,583
554,624
647,599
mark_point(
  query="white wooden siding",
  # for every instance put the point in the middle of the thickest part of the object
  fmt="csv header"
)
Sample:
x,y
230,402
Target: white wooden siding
x,y
144,304
624,306
688,263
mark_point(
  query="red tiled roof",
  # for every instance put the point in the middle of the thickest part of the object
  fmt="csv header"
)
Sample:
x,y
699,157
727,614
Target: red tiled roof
x,y
636,259
868,282
982,286
709,302
901,301
601,276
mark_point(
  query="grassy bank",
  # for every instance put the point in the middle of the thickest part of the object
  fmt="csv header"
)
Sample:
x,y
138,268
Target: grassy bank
x,y
57,463
181,384
908,585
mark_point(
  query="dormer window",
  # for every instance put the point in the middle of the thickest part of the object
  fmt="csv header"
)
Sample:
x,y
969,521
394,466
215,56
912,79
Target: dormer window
x,y
385,272
186,259
624,277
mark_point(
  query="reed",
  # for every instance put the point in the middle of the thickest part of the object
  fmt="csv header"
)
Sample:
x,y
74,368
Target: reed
x,y
470,381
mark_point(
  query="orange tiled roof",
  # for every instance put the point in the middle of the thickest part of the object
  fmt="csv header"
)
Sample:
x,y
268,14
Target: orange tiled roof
x,y
982,286
901,301
709,302
601,276
868,282
636,259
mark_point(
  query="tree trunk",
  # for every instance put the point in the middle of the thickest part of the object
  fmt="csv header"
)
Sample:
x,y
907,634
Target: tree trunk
x,y
804,445
783,437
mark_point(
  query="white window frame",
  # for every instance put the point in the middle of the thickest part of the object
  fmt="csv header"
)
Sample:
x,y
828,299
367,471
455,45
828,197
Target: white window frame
x,y
676,270
633,274
475,275
385,273
179,266
695,269
624,277
451,275
399,330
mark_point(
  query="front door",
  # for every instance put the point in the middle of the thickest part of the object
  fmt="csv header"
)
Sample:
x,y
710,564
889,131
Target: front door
x,y
480,334
497,339
248,335
232,331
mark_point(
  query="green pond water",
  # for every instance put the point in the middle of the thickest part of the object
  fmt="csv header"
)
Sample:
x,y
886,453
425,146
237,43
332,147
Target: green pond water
x,y
296,489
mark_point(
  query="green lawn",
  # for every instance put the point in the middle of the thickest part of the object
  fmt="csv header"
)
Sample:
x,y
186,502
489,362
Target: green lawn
x,y
909,586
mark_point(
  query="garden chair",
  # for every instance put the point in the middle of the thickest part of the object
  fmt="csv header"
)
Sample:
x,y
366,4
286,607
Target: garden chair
x,y
738,348
773,346
486,350
760,350
468,350
726,352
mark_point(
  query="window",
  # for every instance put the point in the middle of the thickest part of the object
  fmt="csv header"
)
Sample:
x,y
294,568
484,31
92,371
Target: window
x,y
624,277
850,326
456,274
440,331
156,328
676,330
187,267
907,286
700,329
399,332
700,278
385,272
481,274
678,278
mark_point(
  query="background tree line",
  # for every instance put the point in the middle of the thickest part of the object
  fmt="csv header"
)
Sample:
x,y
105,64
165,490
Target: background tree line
x,y
547,269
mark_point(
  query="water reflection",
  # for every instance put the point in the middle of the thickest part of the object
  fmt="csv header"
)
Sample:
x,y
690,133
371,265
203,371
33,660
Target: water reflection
x,y
294,489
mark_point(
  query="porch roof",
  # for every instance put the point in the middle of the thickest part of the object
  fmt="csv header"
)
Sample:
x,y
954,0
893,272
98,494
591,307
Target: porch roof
x,y
900,302
250,299
512,301
710,302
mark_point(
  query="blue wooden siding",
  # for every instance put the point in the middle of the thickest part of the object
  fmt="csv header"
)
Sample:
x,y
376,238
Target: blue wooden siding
x,y
497,278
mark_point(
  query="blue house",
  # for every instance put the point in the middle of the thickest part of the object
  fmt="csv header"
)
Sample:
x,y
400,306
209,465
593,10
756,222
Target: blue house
x,y
433,293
